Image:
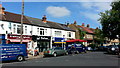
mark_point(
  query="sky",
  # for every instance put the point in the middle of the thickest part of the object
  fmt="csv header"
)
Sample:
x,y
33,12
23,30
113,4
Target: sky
x,y
61,12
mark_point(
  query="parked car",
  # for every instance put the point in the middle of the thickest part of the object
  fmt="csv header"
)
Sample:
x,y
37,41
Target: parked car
x,y
113,49
119,51
55,52
102,48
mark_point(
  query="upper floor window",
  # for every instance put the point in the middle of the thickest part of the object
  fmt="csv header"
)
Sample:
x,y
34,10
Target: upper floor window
x,y
46,31
14,28
89,36
69,34
42,31
58,33
18,29
25,29
37,30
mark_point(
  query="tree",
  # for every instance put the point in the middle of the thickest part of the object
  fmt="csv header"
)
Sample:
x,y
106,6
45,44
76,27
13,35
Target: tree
x,y
110,21
99,36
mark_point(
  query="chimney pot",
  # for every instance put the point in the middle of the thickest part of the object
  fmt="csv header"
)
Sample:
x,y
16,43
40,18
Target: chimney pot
x,y
88,25
83,24
2,9
75,22
44,19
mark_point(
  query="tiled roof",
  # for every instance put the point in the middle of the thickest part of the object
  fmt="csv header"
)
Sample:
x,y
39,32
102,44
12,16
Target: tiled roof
x,y
36,21
86,29
54,25
12,17
65,27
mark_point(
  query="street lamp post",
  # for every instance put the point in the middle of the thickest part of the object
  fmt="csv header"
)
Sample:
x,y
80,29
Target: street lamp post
x,y
21,31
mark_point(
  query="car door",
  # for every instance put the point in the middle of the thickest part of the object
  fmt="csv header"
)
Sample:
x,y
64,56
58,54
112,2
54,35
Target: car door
x,y
57,50
62,51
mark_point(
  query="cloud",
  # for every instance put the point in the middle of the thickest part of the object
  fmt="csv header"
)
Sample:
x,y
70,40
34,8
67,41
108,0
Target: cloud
x,y
96,6
92,9
58,11
90,15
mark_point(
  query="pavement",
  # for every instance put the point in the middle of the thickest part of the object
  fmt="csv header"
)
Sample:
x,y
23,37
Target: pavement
x,y
34,57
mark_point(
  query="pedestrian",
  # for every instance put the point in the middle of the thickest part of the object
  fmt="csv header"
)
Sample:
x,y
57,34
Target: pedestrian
x,y
36,52
72,50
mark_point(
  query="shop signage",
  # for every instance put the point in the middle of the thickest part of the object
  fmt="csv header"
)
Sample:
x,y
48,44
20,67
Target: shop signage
x,y
25,37
43,38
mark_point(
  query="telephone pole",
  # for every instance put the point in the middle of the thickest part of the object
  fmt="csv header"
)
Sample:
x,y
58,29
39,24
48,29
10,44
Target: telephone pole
x,y
21,31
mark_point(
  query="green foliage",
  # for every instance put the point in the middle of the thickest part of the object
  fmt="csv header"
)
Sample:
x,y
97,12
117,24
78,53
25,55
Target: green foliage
x,y
82,33
93,46
99,36
110,21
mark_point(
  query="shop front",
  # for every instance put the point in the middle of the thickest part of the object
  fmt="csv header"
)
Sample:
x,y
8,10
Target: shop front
x,y
2,39
43,42
15,39
58,42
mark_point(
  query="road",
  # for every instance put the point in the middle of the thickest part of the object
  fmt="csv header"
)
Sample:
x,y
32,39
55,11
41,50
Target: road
x,y
85,59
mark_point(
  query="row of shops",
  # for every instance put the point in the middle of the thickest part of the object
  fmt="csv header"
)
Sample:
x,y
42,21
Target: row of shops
x,y
40,42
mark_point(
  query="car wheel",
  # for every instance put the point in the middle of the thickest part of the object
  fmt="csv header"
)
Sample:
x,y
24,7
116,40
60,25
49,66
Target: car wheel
x,y
66,53
85,51
77,52
20,58
54,54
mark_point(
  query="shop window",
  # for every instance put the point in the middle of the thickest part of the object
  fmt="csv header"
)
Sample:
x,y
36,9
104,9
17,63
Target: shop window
x,y
58,33
18,29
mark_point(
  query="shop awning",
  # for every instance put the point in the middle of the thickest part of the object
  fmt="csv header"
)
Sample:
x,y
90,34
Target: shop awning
x,y
60,42
76,40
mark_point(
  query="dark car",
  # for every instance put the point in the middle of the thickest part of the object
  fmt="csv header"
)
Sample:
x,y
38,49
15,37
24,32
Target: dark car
x,y
102,48
113,49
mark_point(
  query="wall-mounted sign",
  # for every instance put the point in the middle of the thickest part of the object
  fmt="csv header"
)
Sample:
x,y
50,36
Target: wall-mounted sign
x,y
25,37
43,38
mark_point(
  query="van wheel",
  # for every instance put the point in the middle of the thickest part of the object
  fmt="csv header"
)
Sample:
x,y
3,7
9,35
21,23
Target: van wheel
x,y
20,58
54,54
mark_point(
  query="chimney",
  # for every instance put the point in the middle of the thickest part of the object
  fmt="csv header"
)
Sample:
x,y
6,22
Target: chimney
x,y
2,9
75,22
67,23
44,19
96,27
88,25
83,24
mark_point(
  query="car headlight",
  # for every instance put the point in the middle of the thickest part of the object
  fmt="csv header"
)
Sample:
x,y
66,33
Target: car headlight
x,y
112,49
83,48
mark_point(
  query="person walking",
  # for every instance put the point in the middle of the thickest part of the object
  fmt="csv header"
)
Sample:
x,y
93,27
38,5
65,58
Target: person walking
x,y
72,50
